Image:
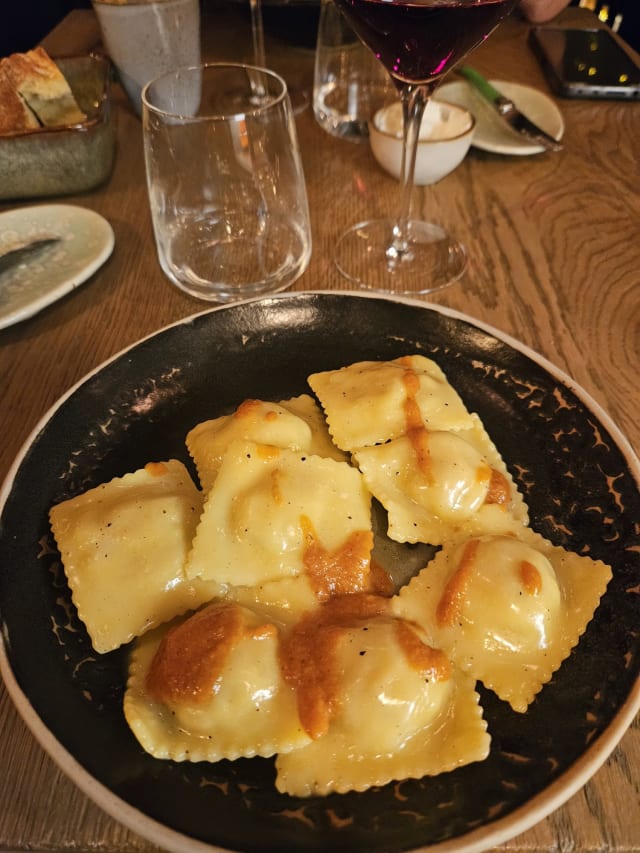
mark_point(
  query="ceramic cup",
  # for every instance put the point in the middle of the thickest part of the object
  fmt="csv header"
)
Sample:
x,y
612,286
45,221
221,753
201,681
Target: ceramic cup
x,y
226,187
446,133
145,38
349,84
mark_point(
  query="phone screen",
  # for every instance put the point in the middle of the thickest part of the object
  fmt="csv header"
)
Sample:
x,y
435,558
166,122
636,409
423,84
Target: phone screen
x,y
587,62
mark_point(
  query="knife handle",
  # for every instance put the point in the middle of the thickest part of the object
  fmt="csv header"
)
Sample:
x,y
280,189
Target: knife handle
x,y
480,82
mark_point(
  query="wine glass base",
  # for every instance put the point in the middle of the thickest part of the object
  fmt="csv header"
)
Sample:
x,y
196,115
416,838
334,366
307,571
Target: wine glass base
x,y
299,96
432,259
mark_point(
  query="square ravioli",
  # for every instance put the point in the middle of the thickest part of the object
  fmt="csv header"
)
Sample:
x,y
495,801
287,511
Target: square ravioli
x,y
435,485
273,513
378,701
284,600
209,687
507,609
297,424
306,408
262,608
371,402
253,420
124,545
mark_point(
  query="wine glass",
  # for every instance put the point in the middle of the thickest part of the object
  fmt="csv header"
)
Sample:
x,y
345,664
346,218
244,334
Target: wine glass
x,y
298,97
418,42
257,32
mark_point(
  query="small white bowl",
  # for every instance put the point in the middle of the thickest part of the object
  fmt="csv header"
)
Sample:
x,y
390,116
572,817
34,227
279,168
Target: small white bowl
x,y
445,136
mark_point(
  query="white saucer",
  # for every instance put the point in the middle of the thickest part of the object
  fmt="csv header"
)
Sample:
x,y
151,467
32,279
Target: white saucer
x,y
493,133
86,241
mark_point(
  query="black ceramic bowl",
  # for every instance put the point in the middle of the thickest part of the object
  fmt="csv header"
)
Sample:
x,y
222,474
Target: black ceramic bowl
x,y
579,478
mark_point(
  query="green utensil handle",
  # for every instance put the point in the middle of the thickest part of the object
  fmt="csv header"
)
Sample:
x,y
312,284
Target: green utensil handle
x,y
480,82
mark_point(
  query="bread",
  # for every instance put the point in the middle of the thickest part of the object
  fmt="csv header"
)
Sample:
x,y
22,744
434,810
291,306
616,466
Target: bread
x,y
41,85
15,115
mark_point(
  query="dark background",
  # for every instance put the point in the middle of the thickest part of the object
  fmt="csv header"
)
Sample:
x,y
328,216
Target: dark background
x,y
26,22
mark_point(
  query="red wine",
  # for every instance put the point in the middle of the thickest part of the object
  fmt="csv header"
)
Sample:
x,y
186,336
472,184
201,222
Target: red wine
x,y
418,41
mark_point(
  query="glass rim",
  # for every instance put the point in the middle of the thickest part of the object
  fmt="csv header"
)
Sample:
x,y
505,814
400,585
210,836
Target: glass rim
x,y
271,100
389,134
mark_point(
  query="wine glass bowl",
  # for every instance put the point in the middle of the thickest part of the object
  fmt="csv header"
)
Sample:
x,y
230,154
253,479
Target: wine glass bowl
x,y
418,42
298,97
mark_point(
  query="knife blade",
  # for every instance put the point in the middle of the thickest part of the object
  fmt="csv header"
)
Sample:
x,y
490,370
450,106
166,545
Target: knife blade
x,y
21,250
507,110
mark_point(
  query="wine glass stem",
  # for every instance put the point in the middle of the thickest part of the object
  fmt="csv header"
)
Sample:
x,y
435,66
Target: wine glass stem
x,y
414,100
259,56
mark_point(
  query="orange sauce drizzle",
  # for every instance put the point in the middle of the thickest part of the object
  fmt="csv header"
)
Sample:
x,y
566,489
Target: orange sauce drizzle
x,y
267,451
498,491
415,429
192,655
156,469
419,439
246,408
308,653
449,606
380,582
531,578
340,571
430,662
261,632
276,492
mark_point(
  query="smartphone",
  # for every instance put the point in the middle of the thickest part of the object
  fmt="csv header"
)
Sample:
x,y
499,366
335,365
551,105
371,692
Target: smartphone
x,y
585,63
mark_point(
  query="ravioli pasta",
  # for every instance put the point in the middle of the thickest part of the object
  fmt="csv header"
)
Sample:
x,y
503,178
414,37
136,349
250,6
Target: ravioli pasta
x,y
124,545
436,483
185,699
265,506
260,620
296,424
507,609
368,402
422,715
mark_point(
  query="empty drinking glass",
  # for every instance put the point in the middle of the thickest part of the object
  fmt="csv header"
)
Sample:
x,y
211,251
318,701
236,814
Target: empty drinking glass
x,y
349,84
226,186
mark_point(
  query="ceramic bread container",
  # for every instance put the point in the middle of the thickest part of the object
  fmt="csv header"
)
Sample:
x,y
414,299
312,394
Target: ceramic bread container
x,y
53,161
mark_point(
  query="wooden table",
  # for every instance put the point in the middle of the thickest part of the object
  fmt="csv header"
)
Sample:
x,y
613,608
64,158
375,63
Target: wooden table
x,y
554,260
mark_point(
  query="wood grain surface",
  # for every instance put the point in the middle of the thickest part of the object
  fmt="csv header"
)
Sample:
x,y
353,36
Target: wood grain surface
x,y
554,260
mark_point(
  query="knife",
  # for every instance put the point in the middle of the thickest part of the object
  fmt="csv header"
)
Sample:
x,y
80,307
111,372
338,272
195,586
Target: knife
x,y
509,112
21,250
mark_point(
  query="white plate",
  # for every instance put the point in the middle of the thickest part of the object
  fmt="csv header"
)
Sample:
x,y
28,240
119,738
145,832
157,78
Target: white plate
x,y
493,133
86,241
